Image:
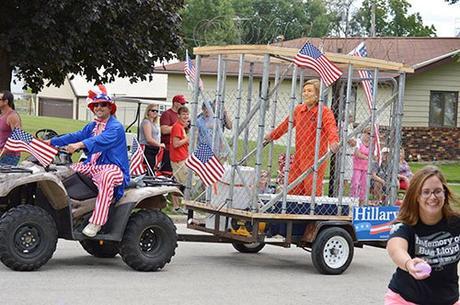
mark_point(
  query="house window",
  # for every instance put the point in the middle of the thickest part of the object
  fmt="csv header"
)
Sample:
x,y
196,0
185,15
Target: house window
x,y
443,109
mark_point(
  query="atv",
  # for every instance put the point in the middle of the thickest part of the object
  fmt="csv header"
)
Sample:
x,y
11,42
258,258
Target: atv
x,y
38,206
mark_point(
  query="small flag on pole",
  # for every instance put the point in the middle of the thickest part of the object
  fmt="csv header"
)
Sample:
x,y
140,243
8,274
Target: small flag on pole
x,y
366,75
190,72
205,164
136,165
20,140
310,57
368,84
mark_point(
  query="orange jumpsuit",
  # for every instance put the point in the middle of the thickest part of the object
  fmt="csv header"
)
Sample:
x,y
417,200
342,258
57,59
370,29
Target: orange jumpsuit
x,y
305,121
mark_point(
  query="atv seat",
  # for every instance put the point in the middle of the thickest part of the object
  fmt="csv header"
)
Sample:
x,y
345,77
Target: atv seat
x,y
80,187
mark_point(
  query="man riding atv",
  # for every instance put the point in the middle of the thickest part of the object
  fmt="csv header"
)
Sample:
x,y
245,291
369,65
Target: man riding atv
x,y
39,205
104,142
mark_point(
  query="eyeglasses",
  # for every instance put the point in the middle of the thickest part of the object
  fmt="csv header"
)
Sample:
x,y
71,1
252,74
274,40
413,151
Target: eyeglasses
x,y
438,193
153,110
103,104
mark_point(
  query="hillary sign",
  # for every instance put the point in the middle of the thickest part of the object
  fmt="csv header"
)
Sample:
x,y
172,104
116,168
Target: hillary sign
x,y
374,223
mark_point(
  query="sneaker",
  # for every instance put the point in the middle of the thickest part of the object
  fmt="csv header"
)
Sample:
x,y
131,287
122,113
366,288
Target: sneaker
x,y
181,210
91,230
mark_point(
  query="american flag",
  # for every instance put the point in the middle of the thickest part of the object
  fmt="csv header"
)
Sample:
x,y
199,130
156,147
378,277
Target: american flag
x,y
368,84
190,72
374,229
136,165
205,164
20,140
381,228
310,57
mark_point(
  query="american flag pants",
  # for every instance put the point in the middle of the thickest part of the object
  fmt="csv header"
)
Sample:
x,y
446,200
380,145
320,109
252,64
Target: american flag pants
x,y
106,177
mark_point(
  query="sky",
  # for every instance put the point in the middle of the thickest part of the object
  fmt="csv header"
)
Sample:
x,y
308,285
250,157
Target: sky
x,y
443,16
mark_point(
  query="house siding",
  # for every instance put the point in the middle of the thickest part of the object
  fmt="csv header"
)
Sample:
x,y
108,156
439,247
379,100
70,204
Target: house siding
x,y
417,93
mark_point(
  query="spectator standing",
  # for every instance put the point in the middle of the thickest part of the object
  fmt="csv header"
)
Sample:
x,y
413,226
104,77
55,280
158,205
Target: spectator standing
x,y
9,120
205,124
380,176
405,173
167,120
429,233
179,151
360,164
150,134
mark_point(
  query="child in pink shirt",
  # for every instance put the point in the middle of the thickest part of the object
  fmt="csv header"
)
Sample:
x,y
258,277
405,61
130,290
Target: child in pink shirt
x,y
360,162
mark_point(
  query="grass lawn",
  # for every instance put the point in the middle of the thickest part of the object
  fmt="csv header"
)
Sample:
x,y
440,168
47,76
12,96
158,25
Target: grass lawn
x,y
62,126
450,170
33,123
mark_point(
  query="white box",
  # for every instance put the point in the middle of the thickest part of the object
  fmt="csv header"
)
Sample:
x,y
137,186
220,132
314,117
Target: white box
x,y
243,189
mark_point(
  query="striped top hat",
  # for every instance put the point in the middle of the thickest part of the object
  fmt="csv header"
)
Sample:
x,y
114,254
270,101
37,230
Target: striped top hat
x,y
99,94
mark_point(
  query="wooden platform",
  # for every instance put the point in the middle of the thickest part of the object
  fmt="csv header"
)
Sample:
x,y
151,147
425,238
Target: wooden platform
x,y
247,215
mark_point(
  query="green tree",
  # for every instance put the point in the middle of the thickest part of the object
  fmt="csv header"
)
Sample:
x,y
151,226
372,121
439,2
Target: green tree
x,y
208,22
48,39
340,12
265,20
391,19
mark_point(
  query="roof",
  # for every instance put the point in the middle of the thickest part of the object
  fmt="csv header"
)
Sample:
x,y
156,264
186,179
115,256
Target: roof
x,y
155,89
417,52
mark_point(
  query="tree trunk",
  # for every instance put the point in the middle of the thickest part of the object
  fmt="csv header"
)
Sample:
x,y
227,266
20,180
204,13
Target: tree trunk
x,y
5,70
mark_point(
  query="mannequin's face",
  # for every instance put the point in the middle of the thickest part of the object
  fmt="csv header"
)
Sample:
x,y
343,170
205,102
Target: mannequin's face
x,y
309,95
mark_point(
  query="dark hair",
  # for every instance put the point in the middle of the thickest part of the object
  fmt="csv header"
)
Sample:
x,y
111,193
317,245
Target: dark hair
x,y
182,109
7,95
409,212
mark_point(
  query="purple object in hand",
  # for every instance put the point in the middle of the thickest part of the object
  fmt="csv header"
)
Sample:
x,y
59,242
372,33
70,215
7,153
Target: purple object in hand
x,y
423,268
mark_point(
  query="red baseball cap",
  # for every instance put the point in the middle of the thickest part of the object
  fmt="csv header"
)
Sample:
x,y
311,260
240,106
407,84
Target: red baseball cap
x,y
179,99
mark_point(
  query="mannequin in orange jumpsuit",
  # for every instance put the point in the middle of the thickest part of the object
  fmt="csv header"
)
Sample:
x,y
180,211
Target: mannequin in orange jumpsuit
x,y
305,122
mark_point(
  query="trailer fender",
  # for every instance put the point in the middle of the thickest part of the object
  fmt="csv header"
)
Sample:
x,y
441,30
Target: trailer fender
x,y
313,228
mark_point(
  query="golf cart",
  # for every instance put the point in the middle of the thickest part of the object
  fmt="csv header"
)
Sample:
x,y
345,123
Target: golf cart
x,y
39,205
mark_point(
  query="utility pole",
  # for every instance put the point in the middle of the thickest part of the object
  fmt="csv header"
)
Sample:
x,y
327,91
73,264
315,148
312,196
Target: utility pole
x,y
373,19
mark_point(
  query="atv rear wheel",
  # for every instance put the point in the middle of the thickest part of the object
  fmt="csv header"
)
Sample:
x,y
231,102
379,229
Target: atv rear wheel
x,y
101,249
28,238
149,241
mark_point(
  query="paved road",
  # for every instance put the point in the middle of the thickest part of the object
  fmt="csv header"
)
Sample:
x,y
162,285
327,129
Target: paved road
x,y
200,274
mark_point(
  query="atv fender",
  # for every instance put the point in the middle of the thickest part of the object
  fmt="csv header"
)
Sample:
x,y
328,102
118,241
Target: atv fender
x,y
48,183
148,197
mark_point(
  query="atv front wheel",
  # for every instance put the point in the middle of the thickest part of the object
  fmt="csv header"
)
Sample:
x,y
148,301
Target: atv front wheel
x,y
149,241
101,249
28,238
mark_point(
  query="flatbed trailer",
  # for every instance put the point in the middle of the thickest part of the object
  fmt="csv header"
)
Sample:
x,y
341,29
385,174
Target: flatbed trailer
x,y
238,211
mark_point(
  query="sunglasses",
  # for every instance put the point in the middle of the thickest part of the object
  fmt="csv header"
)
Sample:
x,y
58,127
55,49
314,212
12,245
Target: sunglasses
x,y
103,104
153,110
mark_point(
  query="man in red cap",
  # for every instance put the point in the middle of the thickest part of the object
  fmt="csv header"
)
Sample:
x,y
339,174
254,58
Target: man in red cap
x,y
167,120
104,143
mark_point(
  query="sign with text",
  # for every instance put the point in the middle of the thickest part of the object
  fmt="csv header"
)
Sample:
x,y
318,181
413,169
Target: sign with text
x,y
374,222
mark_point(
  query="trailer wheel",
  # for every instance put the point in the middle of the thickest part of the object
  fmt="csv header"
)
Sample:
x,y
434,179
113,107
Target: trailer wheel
x,y
28,238
248,248
106,249
149,241
332,251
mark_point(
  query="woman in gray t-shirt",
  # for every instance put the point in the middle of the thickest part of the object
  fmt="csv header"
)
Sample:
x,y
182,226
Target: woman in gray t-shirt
x,y
149,134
